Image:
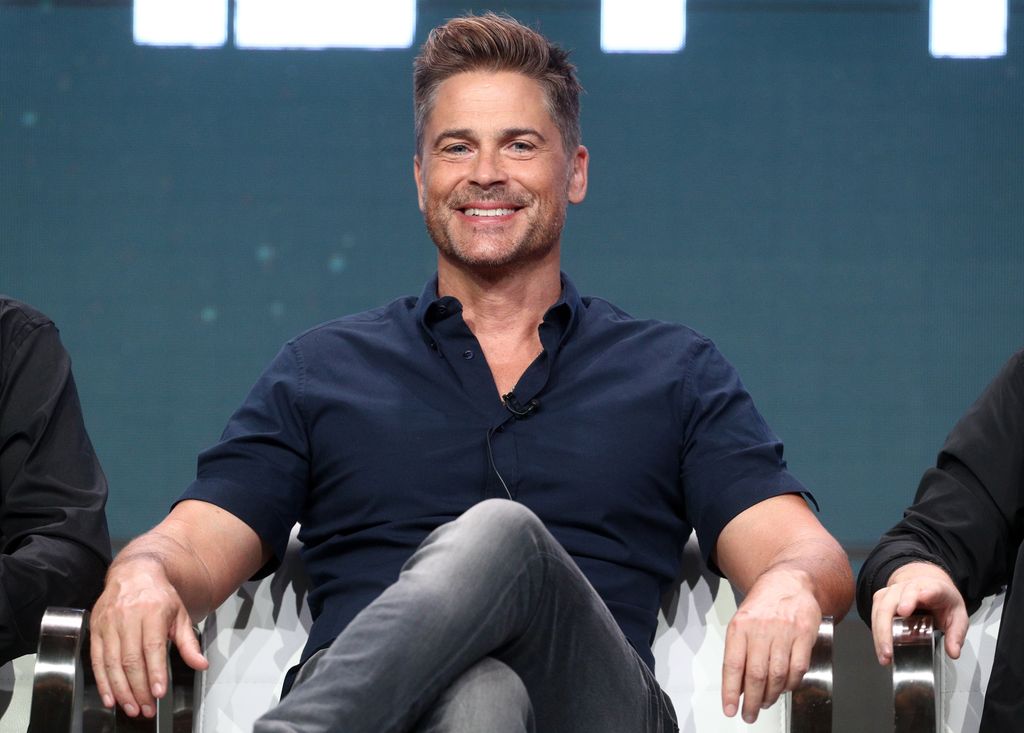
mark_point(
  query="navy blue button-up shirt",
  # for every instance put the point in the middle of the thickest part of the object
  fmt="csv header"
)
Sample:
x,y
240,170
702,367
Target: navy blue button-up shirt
x,y
373,429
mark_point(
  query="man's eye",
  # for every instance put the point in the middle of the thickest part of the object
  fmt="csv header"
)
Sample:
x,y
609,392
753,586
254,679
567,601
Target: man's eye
x,y
521,146
457,149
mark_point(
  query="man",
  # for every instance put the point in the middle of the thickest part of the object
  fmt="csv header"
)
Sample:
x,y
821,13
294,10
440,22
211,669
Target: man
x,y
961,541
494,480
53,530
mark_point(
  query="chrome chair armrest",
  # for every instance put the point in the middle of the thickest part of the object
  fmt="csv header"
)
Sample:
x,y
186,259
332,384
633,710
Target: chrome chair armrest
x,y
809,707
64,694
916,674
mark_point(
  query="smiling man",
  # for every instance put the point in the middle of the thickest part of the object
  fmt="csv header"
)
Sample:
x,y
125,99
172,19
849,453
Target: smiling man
x,y
495,479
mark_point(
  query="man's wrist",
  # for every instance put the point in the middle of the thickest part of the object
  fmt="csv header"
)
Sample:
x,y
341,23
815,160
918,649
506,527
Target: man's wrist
x,y
914,569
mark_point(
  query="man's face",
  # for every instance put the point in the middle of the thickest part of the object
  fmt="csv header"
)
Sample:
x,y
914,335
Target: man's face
x,y
493,176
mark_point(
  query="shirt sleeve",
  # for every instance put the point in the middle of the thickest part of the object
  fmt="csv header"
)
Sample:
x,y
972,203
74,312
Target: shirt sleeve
x,y
259,470
56,546
968,513
731,459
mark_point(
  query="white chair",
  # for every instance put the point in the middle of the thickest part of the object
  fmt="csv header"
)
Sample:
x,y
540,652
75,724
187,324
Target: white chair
x,y
258,634
688,649
16,693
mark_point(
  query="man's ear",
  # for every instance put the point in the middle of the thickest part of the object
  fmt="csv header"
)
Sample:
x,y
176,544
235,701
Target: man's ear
x,y
417,174
578,175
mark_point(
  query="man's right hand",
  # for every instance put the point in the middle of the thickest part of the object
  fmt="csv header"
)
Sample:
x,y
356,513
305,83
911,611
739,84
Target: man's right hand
x,y
919,586
130,625
180,570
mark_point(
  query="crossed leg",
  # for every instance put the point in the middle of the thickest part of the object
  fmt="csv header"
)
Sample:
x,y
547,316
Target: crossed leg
x,y
492,585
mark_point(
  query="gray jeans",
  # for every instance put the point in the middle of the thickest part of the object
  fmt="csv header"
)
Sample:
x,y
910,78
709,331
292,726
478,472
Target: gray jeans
x,y
490,628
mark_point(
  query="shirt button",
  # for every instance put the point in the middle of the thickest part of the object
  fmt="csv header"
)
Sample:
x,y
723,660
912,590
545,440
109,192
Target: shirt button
x,y
442,309
467,354
433,345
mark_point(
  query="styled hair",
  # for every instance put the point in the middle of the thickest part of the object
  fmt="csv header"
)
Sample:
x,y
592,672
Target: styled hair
x,y
492,42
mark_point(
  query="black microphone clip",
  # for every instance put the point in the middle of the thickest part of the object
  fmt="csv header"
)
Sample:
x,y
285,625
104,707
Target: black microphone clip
x,y
518,409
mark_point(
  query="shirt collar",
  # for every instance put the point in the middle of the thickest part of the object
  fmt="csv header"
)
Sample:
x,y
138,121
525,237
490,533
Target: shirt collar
x,y
563,315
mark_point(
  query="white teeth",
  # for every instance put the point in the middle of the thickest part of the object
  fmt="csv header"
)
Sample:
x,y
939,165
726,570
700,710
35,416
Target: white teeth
x,y
489,212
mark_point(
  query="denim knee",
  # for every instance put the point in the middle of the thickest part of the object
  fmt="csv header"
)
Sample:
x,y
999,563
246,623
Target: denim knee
x,y
504,521
489,696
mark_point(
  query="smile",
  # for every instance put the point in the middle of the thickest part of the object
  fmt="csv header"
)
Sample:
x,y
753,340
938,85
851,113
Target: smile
x,y
488,212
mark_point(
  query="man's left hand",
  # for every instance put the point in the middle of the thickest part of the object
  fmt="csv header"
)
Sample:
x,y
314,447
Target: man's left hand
x,y
769,641
792,572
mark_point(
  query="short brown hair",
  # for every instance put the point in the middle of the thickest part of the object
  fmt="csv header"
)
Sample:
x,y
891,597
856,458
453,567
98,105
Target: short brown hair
x,y
492,42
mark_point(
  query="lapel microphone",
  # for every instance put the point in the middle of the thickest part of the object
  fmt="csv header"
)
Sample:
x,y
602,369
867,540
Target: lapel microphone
x,y
517,408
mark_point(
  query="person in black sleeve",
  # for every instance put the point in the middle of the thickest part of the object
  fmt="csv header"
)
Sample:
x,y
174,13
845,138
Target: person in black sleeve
x,y
961,541
54,544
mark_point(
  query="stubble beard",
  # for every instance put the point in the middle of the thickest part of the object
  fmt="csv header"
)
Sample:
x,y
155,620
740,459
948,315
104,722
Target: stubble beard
x,y
505,250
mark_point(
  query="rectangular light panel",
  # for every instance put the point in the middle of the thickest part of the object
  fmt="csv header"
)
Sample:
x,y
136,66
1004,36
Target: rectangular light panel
x,y
325,23
643,26
196,23
968,28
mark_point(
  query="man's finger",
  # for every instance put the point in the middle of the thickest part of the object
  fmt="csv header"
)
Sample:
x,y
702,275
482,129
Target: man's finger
x,y
755,675
733,666
883,610
800,658
187,643
154,650
119,686
132,659
956,632
779,661
99,671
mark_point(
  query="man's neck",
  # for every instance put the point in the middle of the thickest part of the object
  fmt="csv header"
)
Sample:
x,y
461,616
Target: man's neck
x,y
503,311
510,302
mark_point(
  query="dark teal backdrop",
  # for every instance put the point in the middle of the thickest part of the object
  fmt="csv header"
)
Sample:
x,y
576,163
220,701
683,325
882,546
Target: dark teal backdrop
x,y
841,212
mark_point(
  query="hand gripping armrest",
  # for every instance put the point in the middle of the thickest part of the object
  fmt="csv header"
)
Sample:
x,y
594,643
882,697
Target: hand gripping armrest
x,y
64,694
810,704
916,674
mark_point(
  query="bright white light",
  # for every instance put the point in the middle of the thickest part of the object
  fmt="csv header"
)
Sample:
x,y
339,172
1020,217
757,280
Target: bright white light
x,y
198,23
968,28
324,23
643,26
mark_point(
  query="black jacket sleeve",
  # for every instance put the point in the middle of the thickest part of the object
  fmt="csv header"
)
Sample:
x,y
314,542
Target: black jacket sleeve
x,y
54,544
968,515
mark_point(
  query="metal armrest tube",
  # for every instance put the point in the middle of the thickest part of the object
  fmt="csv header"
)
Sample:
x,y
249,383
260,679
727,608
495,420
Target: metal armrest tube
x,y
916,674
810,705
58,676
64,694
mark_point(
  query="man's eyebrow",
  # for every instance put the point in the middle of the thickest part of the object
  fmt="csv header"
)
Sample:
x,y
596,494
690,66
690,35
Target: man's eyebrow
x,y
464,133
511,132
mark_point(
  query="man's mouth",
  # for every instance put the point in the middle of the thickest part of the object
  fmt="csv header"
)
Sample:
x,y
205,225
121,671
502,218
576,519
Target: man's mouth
x,y
488,212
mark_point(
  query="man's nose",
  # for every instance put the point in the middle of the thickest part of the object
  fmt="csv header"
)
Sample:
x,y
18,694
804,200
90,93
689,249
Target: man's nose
x,y
488,169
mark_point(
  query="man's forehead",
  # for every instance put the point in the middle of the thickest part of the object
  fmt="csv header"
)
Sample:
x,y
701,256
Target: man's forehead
x,y
489,94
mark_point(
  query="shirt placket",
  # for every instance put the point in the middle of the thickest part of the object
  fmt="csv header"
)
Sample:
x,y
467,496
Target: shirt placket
x,y
454,342
508,429
457,345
